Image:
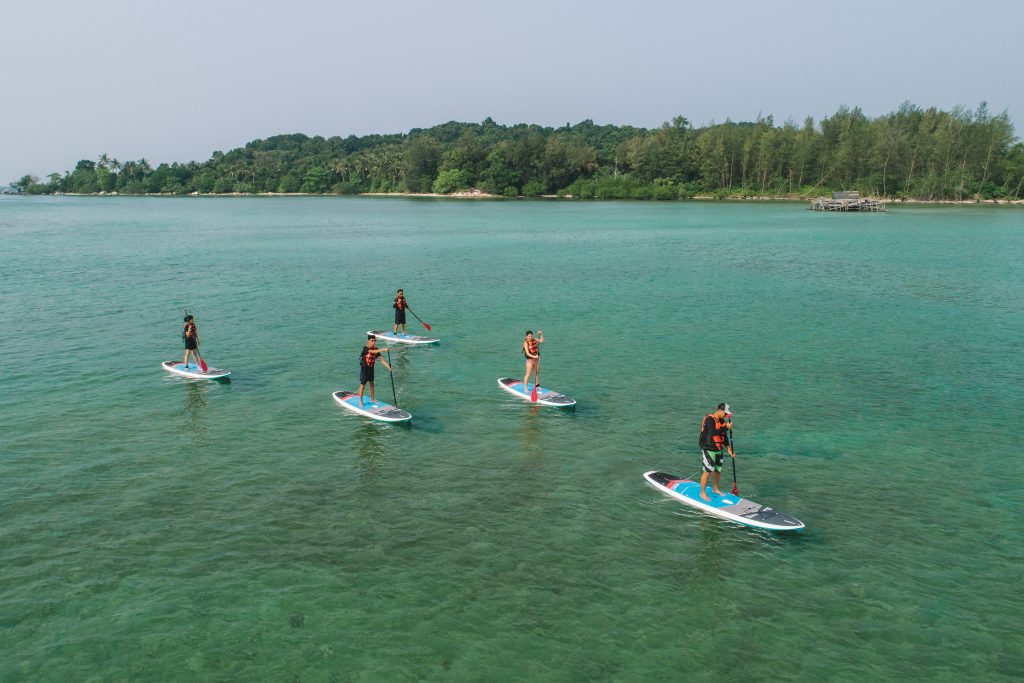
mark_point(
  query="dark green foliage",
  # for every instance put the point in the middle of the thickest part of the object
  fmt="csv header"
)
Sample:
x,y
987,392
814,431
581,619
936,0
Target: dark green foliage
x,y
451,180
909,153
533,189
316,180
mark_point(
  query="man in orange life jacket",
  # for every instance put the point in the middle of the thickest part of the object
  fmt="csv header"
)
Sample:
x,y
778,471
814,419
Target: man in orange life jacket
x,y
367,357
714,440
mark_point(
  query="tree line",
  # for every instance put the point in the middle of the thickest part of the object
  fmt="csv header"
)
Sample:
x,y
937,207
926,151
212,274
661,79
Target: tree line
x,y
910,153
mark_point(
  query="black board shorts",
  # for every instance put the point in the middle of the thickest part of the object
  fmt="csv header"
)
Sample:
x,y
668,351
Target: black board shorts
x,y
190,343
365,374
399,316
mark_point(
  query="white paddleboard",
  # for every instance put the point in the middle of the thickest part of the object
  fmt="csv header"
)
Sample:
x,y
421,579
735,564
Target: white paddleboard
x,y
192,370
545,396
377,410
402,338
727,506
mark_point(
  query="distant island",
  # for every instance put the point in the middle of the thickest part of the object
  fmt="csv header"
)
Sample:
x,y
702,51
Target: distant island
x,y
909,154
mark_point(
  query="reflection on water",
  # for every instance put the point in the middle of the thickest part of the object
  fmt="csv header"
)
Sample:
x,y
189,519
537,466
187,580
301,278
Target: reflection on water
x,y
195,421
531,434
709,566
368,444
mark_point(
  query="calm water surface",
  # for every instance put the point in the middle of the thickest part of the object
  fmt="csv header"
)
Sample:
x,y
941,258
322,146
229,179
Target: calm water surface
x,y
153,528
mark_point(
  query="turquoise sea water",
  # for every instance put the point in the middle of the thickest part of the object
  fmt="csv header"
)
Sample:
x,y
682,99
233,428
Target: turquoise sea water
x,y
154,528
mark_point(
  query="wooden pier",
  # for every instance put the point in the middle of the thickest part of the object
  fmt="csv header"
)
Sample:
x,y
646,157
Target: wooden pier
x,y
847,201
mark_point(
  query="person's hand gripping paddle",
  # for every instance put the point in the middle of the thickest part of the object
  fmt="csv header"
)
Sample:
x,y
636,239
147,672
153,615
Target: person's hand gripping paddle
x,y
418,318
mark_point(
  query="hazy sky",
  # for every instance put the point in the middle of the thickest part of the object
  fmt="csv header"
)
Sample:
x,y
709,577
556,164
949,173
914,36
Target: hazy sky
x,y
176,81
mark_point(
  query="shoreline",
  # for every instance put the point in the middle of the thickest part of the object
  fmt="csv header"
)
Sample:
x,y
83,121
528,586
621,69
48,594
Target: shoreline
x,y
477,194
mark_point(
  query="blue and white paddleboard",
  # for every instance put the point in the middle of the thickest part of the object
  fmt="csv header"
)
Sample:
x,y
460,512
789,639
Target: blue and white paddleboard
x,y
545,397
192,370
377,410
726,506
402,338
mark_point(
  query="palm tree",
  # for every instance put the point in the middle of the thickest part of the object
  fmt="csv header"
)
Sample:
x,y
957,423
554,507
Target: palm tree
x,y
341,167
129,169
104,160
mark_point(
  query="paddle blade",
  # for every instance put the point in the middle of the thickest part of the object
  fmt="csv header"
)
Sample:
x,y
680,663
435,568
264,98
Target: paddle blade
x,y
533,394
735,489
426,326
202,364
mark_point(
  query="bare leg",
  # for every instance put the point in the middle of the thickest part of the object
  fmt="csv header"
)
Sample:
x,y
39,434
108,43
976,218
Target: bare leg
x,y
361,395
372,399
715,478
529,370
185,362
704,486
394,330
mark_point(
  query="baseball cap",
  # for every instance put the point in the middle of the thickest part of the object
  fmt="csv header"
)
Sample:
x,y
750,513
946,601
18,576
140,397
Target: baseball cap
x,y
725,407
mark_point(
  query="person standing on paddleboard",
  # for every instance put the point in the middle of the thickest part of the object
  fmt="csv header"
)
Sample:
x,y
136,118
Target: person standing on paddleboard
x,y
714,442
191,336
400,305
367,357
531,349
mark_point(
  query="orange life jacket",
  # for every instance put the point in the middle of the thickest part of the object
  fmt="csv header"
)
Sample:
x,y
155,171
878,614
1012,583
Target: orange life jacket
x,y
718,438
370,358
532,345
400,302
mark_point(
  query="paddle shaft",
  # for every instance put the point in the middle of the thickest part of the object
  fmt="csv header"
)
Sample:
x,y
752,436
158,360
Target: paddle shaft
x,y
392,375
735,486
417,317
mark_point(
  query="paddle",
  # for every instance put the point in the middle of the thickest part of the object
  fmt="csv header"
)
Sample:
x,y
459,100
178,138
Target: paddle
x,y
417,317
536,383
735,488
392,375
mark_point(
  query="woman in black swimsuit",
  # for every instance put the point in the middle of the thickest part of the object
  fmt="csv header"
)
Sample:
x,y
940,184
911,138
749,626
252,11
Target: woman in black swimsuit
x,y
191,334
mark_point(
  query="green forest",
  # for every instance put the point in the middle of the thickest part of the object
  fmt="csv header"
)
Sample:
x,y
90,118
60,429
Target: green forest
x,y
911,153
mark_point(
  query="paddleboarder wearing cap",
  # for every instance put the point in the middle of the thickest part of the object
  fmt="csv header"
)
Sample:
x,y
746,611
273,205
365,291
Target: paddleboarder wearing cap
x,y
714,441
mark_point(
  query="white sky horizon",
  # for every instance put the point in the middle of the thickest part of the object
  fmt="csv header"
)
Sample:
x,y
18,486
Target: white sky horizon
x,y
178,83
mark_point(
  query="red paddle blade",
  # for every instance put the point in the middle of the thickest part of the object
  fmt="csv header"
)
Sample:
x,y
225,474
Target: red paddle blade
x,y
533,394
426,326
202,364
735,489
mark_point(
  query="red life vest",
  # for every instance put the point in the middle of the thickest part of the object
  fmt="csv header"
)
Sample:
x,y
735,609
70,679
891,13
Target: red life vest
x,y
719,437
400,302
532,345
370,358
190,329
